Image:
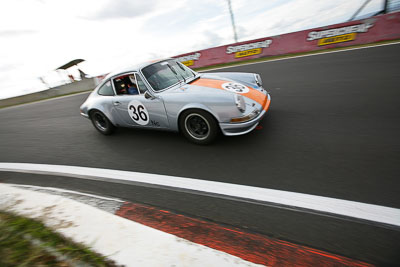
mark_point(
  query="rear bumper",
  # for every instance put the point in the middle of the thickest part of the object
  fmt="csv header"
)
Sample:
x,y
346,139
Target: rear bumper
x,y
85,115
232,129
83,111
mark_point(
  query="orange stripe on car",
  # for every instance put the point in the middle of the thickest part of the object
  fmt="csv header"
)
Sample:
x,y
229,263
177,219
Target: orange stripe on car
x,y
252,93
266,107
209,83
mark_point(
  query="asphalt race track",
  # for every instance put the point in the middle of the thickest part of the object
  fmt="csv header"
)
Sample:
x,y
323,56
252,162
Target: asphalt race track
x,y
332,130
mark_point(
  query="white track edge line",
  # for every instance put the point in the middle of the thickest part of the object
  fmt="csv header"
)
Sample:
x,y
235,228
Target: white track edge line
x,y
65,191
370,212
293,57
44,100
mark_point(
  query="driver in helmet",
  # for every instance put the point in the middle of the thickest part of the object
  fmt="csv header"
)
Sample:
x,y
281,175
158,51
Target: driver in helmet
x,y
132,88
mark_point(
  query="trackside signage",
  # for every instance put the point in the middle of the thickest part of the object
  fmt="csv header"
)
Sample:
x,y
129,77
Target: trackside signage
x,y
249,49
189,60
338,35
378,28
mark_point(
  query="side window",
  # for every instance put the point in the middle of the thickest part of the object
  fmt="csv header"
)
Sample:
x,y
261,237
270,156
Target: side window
x,y
142,86
106,89
126,85
120,85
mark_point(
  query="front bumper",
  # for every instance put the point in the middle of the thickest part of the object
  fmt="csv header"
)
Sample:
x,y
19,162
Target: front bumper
x,y
232,129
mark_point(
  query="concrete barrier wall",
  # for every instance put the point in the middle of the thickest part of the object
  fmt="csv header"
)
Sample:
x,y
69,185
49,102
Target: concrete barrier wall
x,y
375,29
80,86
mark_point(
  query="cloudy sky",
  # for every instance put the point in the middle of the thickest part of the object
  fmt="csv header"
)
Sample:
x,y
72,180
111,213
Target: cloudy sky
x,y
37,36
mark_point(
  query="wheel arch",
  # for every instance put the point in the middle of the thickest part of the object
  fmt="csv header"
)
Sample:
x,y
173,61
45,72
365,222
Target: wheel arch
x,y
194,108
90,112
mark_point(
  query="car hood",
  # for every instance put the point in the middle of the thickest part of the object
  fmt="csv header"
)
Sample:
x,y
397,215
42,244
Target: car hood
x,y
214,83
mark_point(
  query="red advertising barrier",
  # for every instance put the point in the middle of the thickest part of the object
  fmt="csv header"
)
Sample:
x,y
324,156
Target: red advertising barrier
x,y
378,28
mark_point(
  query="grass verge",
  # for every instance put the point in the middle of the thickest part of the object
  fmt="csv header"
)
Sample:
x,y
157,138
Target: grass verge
x,y
27,242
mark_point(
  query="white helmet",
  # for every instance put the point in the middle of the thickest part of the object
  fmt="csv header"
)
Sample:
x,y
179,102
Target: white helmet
x,y
132,78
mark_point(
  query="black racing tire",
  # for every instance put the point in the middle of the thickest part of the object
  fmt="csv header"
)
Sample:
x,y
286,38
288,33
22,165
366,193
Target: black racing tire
x,y
101,122
198,126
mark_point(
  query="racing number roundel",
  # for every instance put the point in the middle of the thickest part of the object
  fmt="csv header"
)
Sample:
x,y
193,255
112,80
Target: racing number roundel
x,y
138,112
235,87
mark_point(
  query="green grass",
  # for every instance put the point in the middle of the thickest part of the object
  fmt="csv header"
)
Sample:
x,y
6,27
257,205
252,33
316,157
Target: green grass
x,y
27,242
263,59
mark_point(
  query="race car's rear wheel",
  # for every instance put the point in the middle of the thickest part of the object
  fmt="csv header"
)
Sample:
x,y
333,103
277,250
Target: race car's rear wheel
x,y
198,126
101,123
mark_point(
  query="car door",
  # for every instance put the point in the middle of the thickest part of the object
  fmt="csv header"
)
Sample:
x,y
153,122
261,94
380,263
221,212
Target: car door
x,y
135,110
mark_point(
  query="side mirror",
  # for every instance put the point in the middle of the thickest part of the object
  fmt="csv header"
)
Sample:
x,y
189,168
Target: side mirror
x,y
148,95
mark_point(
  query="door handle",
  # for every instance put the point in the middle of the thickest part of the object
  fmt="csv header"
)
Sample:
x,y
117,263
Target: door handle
x,y
116,103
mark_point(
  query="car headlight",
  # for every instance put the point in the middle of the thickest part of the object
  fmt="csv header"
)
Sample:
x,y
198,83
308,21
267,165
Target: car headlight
x,y
249,117
240,103
258,79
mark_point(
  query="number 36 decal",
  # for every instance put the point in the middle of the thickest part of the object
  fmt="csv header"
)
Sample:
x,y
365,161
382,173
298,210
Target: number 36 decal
x,y
138,112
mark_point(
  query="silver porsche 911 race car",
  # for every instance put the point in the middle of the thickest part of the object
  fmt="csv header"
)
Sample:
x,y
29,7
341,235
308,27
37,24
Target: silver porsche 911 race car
x,y
170,96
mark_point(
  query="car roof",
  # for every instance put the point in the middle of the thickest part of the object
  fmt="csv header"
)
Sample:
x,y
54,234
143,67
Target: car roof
x,y
136,67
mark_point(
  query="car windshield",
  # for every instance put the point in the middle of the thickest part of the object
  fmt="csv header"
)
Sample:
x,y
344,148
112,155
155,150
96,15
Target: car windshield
x,y
164,74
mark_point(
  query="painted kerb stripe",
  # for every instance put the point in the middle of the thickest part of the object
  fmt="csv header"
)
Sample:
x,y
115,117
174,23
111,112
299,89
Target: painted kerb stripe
x,y
363,211
252,247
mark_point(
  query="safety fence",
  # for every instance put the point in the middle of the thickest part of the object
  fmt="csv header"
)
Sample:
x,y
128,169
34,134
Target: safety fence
x,y
374,29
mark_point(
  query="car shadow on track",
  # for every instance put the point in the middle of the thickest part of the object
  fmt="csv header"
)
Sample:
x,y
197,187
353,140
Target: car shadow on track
x,y
147,137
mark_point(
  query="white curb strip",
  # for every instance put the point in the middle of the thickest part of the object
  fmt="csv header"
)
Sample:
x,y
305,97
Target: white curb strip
x,y
124,241
352,209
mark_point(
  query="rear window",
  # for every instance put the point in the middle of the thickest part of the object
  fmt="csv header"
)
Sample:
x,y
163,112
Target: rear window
x,y
106,89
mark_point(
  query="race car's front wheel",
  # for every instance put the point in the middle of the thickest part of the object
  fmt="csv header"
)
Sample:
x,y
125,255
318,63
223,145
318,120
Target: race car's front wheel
x,y
101,123
198,126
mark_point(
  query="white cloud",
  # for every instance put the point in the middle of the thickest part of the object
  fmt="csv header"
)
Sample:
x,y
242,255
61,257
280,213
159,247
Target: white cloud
x,y
124,9
10,33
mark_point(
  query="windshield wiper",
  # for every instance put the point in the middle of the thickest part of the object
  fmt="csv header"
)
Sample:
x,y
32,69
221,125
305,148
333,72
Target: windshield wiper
x,y
195,78
176,74
184,79
182,75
